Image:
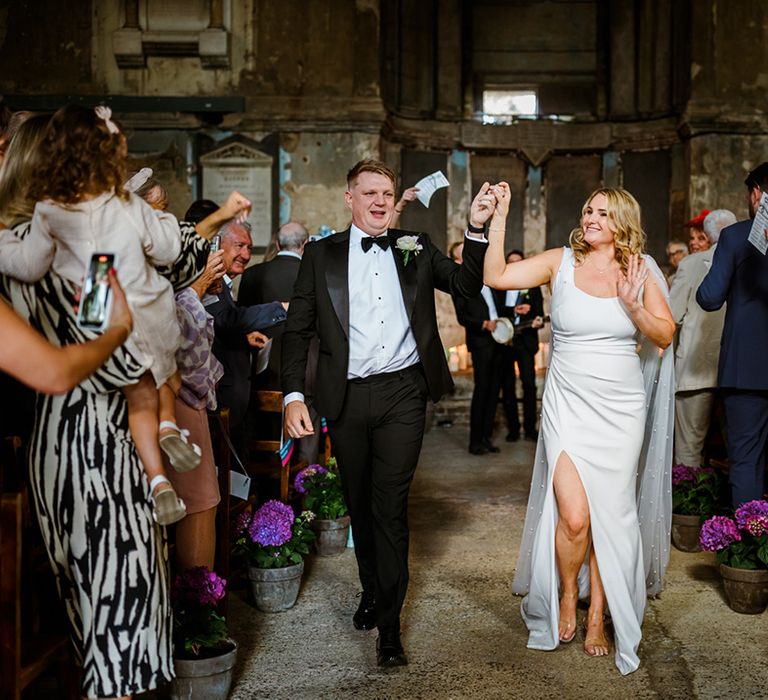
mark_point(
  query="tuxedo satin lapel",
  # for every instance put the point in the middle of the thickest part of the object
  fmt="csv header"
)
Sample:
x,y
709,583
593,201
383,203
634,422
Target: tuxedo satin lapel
x,y
337,277
408,274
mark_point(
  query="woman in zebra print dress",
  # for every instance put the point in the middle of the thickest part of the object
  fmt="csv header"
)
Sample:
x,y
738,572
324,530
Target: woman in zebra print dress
x,y
108,555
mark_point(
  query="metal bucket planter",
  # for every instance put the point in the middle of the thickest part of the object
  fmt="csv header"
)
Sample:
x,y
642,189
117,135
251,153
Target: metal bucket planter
x,y
746,590
204,679
275,590
685,532
331,535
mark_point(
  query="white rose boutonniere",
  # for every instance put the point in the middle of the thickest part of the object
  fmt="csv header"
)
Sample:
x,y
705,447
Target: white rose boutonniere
x,y
408,245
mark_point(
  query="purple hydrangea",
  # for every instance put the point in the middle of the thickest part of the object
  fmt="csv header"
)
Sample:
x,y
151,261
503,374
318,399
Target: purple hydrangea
x,y
753,517
718,533
271,524
307,473
199,586
682,472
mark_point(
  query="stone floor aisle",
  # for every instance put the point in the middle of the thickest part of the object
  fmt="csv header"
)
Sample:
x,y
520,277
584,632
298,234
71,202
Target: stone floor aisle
x,y
462,628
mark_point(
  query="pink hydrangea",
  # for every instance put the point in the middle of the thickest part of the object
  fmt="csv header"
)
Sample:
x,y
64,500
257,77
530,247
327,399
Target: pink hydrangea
x,y
718,533
753,517
199,586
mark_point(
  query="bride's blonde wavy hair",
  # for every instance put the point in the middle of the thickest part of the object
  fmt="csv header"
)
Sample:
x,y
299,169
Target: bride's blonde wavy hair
x,y
624,215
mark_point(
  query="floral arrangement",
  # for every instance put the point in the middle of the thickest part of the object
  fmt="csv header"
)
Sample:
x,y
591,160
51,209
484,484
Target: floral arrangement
x,y
741,541
321,489
407,245
273,537
198,629
694,490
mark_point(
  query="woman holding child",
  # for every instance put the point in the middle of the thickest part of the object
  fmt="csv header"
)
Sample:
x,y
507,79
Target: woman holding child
x,y
90,491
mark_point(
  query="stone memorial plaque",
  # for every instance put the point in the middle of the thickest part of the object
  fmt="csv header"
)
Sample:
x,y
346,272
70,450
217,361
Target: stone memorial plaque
x,y
239,166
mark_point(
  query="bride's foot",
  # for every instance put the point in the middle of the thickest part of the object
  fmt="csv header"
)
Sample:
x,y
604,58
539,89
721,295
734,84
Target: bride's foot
x,y
567,626
595,642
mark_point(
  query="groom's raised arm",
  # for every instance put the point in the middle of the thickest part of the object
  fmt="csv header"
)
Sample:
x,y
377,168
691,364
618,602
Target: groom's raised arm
x,y
465,280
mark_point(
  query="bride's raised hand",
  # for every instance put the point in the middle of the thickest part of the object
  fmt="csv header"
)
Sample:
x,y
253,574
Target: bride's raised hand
x,y
629,285
503,196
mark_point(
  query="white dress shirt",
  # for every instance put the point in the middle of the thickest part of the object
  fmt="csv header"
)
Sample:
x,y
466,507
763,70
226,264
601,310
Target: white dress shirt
x,y
380,336
487,295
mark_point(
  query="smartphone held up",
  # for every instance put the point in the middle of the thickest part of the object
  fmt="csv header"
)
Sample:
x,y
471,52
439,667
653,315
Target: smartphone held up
x,y
96,295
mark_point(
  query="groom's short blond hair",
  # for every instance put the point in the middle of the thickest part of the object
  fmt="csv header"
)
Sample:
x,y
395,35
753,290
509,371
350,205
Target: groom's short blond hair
x,y
369,165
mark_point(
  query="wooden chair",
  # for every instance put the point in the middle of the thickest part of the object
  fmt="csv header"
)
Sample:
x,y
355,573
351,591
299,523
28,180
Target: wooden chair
x,y
264,458
228,507
24,652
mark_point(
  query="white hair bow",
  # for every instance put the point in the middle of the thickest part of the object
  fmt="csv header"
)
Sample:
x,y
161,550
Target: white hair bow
x,y
105,113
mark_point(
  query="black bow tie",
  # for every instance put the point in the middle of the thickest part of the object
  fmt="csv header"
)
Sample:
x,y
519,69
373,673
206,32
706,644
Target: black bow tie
x,y
368,241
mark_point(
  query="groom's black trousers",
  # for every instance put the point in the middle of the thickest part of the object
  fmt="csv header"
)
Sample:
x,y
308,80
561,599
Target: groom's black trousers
x,y
377,440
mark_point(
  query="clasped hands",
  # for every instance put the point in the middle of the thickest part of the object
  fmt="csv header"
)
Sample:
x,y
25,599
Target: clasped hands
x,y
490,203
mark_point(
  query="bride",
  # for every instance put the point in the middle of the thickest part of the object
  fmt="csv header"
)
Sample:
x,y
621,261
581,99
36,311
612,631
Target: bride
x,y
599,511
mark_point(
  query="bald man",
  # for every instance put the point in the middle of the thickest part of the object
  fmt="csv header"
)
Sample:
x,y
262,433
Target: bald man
x,y
273,280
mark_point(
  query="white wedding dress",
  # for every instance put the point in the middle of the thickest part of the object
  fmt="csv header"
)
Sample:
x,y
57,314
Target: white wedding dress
x,y
595,408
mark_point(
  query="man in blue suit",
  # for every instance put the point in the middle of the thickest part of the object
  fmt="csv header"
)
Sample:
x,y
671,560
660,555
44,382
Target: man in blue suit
x,y
739,276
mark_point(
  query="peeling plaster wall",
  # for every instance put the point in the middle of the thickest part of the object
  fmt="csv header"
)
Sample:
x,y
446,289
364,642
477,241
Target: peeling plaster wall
x,y
313,178
729,69
43,49
718,166
729,76
459,201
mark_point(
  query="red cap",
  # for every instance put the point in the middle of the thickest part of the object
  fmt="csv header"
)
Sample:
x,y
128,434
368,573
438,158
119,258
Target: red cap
x,y
698,221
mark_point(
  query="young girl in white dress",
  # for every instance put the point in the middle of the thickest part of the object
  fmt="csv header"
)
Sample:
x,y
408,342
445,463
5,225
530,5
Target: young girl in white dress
x,y
598,519
83,209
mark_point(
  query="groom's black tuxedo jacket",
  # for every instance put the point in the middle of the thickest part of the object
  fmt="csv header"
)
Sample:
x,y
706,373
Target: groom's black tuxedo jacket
x,y
320,304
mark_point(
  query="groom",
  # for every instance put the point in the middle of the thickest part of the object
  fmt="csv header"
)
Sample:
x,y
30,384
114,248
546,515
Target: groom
x,y
368,293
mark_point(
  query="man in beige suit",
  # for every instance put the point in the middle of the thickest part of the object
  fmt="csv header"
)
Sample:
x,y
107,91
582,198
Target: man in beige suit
x,y
698,347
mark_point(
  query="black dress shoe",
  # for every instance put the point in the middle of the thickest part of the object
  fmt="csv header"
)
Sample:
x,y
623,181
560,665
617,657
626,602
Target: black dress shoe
x,y
488,445
365,617
533,436
477,450
389,650
513,437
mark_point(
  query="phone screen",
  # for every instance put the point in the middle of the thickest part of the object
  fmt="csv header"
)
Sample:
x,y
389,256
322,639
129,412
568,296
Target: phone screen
x,y
96,297
215,243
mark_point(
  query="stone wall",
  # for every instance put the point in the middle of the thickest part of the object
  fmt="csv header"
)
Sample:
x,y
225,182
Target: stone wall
x,y
665,97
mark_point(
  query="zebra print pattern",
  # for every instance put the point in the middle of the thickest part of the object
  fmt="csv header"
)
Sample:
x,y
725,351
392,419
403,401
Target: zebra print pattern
x,y
92,500
191,262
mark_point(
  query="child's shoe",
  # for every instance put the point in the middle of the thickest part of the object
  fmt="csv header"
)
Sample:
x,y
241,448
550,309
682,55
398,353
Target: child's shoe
x,y
168,507
183,455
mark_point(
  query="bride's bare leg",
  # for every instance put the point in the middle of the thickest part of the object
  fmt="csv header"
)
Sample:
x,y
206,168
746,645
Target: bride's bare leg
x,y
571,540
595,643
